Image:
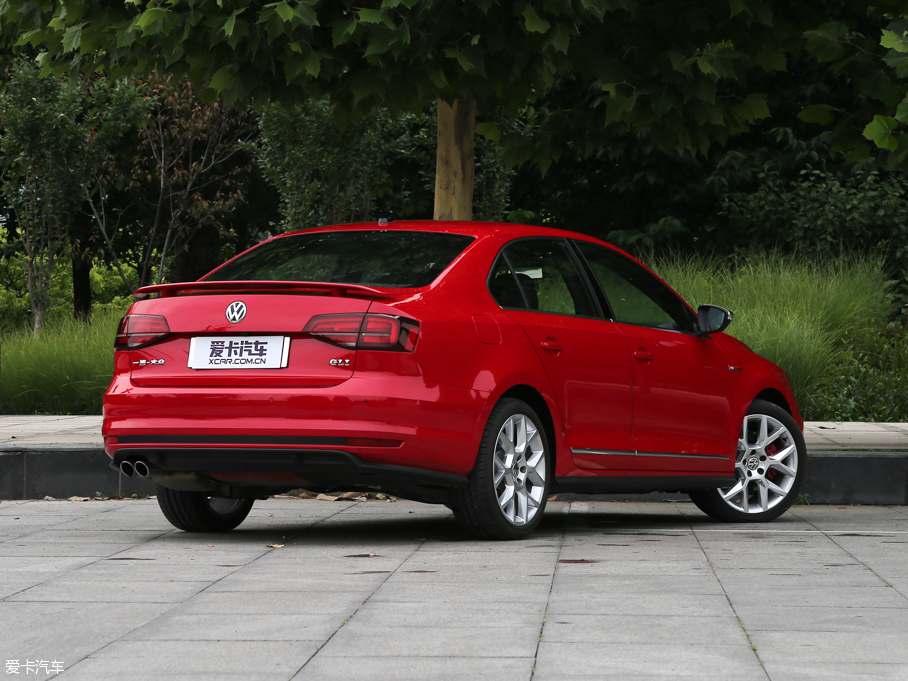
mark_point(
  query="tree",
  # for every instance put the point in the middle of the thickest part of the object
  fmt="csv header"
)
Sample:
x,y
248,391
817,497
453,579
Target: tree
x,y
41,144
181,177
655,65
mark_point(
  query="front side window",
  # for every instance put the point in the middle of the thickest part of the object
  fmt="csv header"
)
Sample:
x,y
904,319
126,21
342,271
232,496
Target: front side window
x,y
385,258
546,275
635,295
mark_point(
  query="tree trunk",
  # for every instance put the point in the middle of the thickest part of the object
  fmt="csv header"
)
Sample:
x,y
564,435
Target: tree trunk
x,y
81,287
454,165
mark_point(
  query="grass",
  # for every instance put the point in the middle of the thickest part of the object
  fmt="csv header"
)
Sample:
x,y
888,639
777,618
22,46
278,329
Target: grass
x,y
802,316
65,370
824,324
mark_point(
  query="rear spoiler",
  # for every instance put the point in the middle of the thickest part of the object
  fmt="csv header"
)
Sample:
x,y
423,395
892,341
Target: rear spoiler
x,y
304,287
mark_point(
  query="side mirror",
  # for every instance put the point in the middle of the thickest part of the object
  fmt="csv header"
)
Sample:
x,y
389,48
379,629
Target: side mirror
x,y
712,319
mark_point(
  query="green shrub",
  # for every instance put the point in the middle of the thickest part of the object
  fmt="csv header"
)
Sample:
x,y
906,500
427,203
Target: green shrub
x,y
65,370
869,382
802,316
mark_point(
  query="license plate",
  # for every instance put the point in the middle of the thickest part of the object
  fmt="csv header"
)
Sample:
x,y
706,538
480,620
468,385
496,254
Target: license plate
x,y
239,352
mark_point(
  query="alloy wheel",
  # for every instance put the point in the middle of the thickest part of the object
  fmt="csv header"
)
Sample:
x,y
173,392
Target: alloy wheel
x,y
766,465
519,469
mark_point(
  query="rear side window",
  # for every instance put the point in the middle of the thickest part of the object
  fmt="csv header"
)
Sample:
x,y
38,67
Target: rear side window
x,y
546,275
385,258
635,295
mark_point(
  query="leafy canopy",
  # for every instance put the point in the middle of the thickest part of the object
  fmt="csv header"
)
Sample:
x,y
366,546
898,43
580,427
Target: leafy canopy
x,y
654,65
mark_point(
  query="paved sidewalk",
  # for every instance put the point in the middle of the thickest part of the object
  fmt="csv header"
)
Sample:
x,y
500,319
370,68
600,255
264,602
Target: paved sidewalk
x,y
61,432
377,590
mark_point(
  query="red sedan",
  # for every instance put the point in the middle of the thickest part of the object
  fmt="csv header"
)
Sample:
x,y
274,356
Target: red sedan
x,y
483,366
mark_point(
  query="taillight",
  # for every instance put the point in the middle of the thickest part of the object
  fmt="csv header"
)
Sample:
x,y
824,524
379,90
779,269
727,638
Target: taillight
x,y
340,329
136,330
365,331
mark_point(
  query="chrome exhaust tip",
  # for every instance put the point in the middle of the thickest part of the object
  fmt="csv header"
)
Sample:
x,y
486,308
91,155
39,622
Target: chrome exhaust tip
x,y
141,469
127,469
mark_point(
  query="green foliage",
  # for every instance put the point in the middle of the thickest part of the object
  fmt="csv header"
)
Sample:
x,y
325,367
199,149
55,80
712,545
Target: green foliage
x,y
325,176
654,66
64,370
377,166
801,316
41,144
822,214
875,62
869,382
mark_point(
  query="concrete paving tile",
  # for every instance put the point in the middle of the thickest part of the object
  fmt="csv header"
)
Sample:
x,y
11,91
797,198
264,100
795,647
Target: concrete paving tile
x,y
68,631
58,508
277,658
367,640
831,646
526,592
63,549
12,584
67,590
668,660
843,597
117,521
12,564
855,575
342,603
820,671
378,614
92,670
646,629
275,626
776,617
58,535
570,602
362,583
675,584
416,668
215,554
115,570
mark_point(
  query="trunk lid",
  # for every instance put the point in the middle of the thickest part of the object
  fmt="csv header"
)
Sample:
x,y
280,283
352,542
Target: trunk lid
x,y
271,314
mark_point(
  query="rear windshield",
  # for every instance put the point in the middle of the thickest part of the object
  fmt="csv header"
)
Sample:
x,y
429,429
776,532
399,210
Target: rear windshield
x,y
371,258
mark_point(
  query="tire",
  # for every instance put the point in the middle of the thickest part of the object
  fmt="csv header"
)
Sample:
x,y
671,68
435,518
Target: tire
x,y
762,492
507,490
197,512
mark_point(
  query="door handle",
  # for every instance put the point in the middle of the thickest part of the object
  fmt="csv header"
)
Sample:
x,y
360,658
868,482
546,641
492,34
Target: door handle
x,y
643,355
551,345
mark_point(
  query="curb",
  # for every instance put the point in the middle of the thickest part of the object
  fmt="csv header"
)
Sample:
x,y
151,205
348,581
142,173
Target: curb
x,y
833,476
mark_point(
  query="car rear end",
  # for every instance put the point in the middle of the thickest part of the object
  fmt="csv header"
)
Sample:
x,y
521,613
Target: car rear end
x,y
255,379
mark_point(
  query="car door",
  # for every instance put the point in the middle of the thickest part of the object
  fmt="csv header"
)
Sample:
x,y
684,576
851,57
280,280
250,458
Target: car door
x,y
540,284
681,384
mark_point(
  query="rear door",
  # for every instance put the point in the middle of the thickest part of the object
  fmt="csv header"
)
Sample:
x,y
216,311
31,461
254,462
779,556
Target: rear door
x,y
540,284
681,382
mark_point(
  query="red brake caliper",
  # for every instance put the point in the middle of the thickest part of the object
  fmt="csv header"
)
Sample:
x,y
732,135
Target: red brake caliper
x,y
772,473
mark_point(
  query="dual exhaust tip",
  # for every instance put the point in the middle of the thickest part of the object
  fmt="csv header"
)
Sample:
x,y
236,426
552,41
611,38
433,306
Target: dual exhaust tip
x,y
137,468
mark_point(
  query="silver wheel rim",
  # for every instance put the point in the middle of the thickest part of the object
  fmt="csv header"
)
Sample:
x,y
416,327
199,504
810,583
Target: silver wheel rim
x,y
519,469
223,505
765,467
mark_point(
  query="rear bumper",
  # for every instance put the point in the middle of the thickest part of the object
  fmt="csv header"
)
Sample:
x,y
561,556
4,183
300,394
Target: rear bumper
x,y
314,468
416,424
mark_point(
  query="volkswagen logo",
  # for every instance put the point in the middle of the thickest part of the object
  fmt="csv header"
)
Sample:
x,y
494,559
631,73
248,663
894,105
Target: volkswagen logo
x,y
235,312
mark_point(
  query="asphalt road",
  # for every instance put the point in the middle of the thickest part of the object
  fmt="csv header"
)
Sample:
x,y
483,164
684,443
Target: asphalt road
x,y
324,590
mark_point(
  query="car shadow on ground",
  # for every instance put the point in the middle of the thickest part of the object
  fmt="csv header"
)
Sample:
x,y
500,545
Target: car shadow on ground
x,y
380,529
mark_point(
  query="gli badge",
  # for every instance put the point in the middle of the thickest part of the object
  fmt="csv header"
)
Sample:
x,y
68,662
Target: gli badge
x,y
235,312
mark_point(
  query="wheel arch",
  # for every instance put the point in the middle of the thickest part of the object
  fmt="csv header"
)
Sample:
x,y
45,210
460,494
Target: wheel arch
x,y
775,397
529,394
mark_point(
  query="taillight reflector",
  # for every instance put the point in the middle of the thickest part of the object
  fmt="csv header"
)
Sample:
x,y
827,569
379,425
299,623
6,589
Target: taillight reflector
x,y
136,330
365,331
